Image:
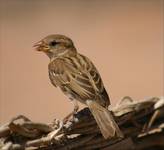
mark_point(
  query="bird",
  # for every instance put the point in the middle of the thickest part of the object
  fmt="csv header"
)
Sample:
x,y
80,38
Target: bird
x,y
78,78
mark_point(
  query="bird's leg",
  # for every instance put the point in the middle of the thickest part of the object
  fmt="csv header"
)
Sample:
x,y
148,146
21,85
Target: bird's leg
x,y
76,107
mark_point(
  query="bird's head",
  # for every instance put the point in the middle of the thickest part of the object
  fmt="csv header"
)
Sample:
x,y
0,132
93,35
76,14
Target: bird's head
x,y
56,45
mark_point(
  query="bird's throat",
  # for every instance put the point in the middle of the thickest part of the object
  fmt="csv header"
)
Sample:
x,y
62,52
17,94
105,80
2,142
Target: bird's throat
x,y
62,53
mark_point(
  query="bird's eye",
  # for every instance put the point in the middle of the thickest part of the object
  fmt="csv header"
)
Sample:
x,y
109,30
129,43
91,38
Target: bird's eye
x,y
53,43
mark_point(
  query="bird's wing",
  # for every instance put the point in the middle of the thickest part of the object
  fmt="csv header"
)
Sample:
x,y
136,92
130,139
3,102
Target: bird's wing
x,y
96,81
84,82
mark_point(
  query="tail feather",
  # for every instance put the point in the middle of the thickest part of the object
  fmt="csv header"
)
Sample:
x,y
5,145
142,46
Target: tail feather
x,y
105,120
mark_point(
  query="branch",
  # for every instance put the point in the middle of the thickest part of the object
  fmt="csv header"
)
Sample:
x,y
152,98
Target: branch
x,y
142,123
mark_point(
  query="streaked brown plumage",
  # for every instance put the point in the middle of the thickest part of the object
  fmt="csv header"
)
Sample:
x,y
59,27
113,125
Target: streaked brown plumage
x,y
79,79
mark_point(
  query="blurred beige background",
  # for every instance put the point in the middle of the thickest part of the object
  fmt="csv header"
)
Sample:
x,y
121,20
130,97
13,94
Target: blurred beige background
x,y
124,38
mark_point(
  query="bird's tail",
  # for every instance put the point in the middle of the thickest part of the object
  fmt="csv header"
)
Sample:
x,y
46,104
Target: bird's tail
x,y
105,120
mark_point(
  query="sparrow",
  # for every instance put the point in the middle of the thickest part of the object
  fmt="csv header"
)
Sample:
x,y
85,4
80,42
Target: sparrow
x,y
79,79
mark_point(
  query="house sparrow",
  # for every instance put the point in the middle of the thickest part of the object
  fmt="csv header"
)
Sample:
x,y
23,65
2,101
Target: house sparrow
x,y
79,79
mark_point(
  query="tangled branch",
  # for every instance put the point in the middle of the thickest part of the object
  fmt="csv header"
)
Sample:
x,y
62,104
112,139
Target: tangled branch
x,y
142,123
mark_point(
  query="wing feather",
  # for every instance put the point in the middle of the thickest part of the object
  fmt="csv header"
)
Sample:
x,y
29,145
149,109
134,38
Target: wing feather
x,y
81,79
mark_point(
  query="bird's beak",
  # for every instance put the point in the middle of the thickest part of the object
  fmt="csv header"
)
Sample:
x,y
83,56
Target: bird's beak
x,y
38,46
41,46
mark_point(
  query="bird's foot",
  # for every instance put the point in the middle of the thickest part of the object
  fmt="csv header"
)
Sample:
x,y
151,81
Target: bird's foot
x,y
72,114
